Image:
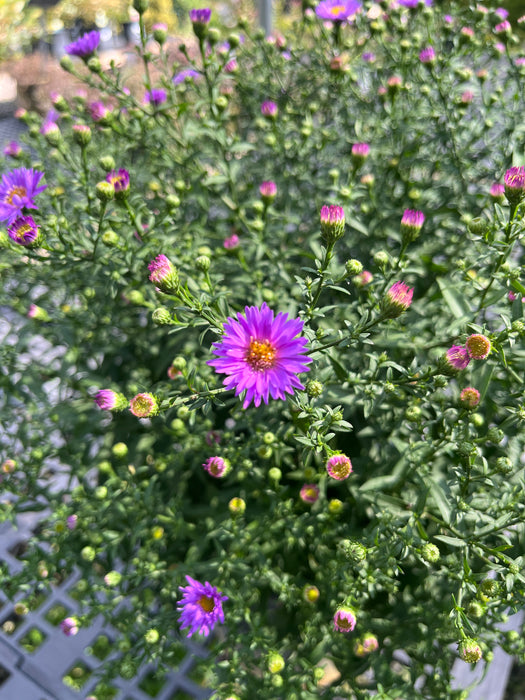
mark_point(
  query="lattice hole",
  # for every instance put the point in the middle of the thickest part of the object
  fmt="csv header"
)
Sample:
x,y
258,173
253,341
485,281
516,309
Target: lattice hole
x,y
77,676
152,683
33,639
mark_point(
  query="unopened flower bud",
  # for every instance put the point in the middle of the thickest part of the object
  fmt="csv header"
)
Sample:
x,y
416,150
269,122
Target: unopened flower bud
x,y
105,191
66,63
113,578
469,650
161,316
311,594
352,550
140,6
353,267
107,163
381,259
237,506
397,300
120,449
314,389
88,553
275,662
94,64
430,553
152,636
332,223
203,263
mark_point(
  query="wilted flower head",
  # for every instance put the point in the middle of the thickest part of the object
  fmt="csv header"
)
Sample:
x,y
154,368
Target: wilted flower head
x,y
478,346
344,619
397,300
23,231
469,397
156,96
427,55
12,150
85,46
339,467
261,354
515,183
69,626
309,493
337,10
200,607
469,650
144,405
269,109
17,191
332,222
217,466
186,74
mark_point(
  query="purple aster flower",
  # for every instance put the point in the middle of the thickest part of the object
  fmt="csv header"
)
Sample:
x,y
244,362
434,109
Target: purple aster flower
x,y
337,10
261,354
201,16
369,57
501,12
427,55
231,242
217,467
269,109
413,3
309,493
514,183
17,190
200,607
12,150
268,190
85,46
71,521
457,358
23,230
503,27
411,224
119,179
360,152
155,97
186,74
98,111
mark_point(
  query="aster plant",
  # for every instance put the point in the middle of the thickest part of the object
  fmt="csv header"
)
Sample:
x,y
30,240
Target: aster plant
x,y
278,311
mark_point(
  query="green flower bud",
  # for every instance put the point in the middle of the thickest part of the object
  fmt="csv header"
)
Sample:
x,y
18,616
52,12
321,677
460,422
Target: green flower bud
x,y
469,650
151,637
277,681
264,451
275,474
179,363
314,389
113,578
110,238
213,35
495,435
489,587
381,259
88,554
268,438
107,163
475,610
353,267
518,327
94,64
120,449
504,465
335,506
105,191
221,103
237,506
413,413
66,63
101,492
234,41
311,594
173,202
275,662
183,412
478,225
430,553
140,6
203,263
352,550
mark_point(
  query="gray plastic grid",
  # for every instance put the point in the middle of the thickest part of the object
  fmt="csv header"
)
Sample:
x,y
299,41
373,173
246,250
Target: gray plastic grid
x,y
39,674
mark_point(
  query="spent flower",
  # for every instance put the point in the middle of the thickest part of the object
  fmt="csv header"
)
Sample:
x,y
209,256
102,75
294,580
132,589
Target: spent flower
x,y
144,405
478,346
309,493
469,397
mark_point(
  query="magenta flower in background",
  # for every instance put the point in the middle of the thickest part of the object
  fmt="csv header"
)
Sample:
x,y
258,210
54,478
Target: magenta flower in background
x,y
261,354
155,97
231,242
339,467
71,522
69,626
369,57
217,467
457,358
269,109
98,111
427,55
337,10
413,3
497,191
501,12
503,28
23,230
85,46
360,152
200,607
309,493
17,191
344,619
186,74
12,150
363,278
119,179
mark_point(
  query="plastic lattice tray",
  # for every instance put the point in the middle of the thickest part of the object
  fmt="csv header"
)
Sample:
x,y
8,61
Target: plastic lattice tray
x,y
38,662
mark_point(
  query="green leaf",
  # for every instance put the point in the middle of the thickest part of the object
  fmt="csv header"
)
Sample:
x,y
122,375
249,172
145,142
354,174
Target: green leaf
x,y
452,541
440,499
455,300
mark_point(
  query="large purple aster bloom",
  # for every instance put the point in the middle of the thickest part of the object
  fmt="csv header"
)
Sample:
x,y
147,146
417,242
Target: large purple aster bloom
x,y
200,607
17,190
337,10
261,354
85,46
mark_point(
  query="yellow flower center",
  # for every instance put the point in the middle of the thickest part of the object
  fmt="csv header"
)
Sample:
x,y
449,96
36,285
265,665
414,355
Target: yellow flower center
x,y
22,230
207,603
337,9
15,191
260,355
